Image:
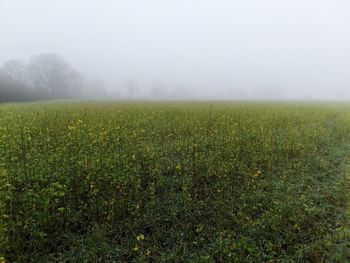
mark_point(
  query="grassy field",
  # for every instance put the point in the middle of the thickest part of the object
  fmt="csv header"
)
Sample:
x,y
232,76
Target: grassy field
x,y
174,182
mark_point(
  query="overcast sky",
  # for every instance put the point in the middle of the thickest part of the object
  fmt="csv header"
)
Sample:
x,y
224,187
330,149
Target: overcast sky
x,y
222,49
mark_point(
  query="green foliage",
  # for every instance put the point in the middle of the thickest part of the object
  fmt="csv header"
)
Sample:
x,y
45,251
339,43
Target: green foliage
x,y
153,182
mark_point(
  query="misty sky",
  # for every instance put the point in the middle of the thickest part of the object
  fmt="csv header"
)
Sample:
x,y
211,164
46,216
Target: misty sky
x,y
290,49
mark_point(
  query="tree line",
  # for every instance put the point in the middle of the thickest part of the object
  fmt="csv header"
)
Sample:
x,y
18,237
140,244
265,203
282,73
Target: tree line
x,y
49,76
45,76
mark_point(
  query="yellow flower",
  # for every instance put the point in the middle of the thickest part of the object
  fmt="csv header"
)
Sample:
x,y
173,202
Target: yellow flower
x,y
140,237
136,248
178,168
257,174
2,260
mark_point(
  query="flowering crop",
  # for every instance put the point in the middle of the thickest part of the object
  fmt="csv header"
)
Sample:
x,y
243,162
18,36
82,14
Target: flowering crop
x,y
173,182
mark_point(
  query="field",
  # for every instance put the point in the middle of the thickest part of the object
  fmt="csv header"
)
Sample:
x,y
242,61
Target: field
x,y
174,182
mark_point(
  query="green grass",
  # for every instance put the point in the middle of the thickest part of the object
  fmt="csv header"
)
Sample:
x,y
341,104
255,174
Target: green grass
x,y
174,182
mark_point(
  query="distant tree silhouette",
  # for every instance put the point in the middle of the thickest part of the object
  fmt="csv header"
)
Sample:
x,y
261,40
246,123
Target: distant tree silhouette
x,y
50,73
46,76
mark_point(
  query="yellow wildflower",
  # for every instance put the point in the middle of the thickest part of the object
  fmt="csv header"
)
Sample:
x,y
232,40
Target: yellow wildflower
x,y
140,237
257,174
136,248
178,168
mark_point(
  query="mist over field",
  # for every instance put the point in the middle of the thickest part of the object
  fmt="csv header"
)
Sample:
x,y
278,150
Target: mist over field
x,y
231,50
174,131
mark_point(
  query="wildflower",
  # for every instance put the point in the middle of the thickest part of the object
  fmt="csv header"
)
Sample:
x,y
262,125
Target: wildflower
x,y
140,237
178,168
136,248
257,174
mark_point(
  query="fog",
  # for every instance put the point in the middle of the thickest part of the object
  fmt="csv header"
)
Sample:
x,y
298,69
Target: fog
x,y
187,49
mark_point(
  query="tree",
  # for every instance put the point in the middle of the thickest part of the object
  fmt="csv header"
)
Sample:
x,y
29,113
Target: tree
x,y
46,76
50,73
11,89
17,70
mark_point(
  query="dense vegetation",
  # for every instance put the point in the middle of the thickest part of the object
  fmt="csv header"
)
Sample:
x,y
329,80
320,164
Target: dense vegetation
x,y
153,182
